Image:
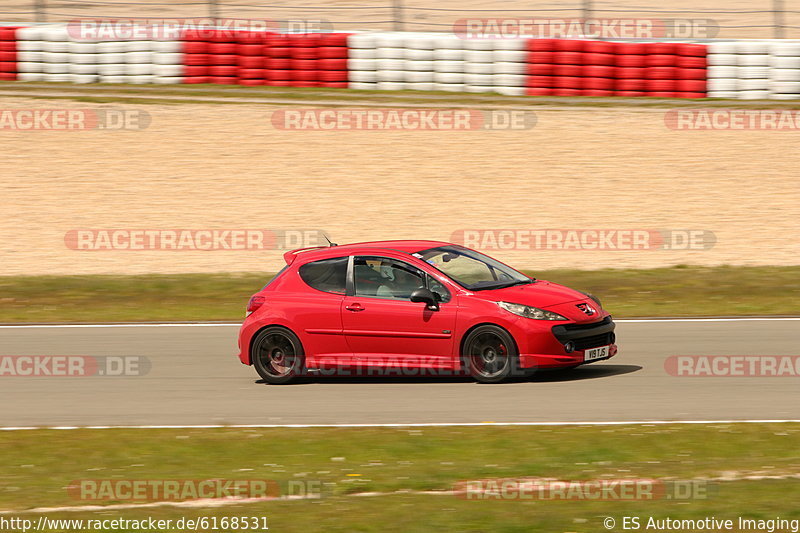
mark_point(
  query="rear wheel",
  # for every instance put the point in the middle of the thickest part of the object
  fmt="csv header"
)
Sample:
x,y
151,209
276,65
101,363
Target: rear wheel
x,y
490,354
278,355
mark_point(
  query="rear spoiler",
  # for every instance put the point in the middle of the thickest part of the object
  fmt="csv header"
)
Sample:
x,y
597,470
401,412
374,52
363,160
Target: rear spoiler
x,y
290,256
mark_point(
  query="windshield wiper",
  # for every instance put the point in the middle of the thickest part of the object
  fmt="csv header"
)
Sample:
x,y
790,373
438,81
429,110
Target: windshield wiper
x,y
501,285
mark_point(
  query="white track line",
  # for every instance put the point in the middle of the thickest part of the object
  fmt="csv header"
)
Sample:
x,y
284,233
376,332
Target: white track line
x,y
237,324
407,425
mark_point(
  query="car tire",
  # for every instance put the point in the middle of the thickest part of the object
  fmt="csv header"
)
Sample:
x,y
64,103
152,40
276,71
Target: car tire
x,y
278,355
490,354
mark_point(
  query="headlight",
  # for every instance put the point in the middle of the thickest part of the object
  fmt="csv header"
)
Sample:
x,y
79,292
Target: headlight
x,y
530,312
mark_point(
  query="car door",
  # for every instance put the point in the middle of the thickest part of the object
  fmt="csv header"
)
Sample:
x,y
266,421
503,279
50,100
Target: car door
x,y
383,327
318,311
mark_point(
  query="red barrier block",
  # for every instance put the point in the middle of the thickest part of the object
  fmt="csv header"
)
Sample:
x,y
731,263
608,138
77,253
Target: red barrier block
x,y
631,60
600,47
305,75
193,71
541,56
660,85
8,57
566,92
278,63
538,69
251,61
222,48
334,84
332,75
223,71
568,58
598,71
693,50
692,61
196,79
630,93
277,51
540,81
223,59
298,52
194,47
630,72
279,75
250,49
568,70
630,49
196,59
304,64
661,73
538,91
630,85
8,46
691,86
596,92
661,60
565,82
251,73
605,84
691,74
332,64
569,45
332,52
251,82
541,45
223,80
661,48
598,59
333,40
690,95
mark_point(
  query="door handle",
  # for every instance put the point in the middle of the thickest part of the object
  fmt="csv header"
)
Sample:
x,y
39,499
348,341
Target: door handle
x,y
354,307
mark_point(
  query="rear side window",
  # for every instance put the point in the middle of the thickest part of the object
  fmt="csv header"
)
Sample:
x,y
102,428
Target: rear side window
x,y
328,275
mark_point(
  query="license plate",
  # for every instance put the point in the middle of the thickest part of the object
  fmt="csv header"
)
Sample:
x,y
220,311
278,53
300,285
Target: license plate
x,y
596,353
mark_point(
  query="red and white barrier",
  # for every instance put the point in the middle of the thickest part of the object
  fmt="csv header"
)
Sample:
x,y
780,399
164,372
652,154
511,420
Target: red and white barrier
x,y
409,61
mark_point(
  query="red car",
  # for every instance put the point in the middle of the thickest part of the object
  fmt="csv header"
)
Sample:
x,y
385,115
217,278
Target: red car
x,y
420,305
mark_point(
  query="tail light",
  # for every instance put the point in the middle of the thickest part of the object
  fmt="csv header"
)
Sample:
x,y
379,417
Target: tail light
x,y
255,302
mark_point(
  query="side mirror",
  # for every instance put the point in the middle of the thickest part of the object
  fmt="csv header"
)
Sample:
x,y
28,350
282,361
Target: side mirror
x,y
425,296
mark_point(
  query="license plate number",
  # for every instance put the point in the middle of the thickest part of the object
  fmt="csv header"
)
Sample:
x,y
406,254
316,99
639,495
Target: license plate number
x,y
596,353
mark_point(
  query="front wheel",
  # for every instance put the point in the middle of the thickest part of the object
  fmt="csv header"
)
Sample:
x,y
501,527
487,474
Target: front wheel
x,y
278,355
490,354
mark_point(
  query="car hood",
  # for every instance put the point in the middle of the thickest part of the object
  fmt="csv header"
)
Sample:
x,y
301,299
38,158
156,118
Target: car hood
x,y
545,295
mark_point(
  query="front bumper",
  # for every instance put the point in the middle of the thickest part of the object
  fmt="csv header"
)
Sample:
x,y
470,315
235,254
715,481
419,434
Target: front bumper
x,y
566,345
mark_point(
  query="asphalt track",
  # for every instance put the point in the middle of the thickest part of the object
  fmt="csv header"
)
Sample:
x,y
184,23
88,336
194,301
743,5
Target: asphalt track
x,y
195,379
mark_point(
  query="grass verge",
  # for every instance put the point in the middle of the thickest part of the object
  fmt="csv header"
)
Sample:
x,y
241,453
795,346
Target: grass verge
x,y
676,291
38,466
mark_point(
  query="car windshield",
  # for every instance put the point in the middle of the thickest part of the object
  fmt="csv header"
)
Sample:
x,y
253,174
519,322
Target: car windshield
x,y
472,270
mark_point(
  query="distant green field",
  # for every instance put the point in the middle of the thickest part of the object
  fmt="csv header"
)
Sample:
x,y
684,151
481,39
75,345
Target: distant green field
x,y
676,291
397,464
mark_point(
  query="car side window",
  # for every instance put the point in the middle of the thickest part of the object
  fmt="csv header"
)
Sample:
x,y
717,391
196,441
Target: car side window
x,y
327,275
380,277
436,287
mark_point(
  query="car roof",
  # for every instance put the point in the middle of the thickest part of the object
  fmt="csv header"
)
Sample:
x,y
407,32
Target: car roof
x,y
309,254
